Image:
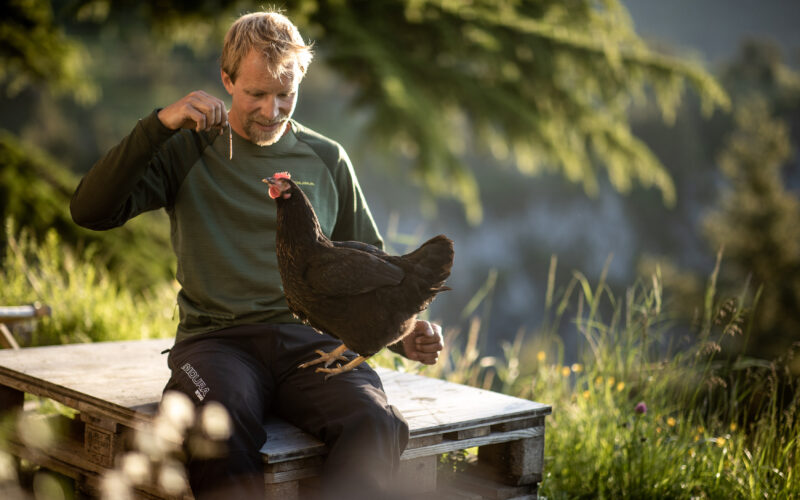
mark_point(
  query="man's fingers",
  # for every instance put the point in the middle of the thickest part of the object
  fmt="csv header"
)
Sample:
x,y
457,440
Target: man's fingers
x,y
428,359
431,347
205,110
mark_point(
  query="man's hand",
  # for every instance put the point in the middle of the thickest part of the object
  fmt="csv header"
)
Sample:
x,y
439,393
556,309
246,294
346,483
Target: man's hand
x,y
424,343
198,110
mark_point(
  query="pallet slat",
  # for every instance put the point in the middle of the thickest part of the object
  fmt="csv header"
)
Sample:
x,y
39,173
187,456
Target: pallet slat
x,y
116,387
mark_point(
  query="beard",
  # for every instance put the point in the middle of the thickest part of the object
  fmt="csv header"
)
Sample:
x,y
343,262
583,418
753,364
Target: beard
x,y
265,137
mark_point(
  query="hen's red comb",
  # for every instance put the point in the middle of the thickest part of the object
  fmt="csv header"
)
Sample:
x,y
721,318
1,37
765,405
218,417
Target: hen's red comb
x,y
282,175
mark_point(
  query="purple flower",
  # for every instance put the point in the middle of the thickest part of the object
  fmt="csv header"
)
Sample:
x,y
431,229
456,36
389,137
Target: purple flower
x,y
641,408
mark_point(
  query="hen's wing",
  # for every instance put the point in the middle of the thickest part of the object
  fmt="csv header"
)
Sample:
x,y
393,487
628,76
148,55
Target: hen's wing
x,y
358,245
347,271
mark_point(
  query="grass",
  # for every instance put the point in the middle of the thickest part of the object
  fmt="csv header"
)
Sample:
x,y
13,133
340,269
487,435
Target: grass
x,y
88,304
646,410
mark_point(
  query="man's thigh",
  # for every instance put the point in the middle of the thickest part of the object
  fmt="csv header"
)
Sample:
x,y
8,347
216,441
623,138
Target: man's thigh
x,y
323,407
223,370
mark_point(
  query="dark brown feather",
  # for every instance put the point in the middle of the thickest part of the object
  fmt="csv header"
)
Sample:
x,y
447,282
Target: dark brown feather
x,y
352,290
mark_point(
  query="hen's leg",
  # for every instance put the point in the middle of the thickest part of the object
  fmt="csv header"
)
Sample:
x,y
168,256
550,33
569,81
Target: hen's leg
x,y
341,369
327,357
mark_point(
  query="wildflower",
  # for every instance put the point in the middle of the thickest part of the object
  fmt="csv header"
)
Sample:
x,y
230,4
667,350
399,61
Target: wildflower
x,y
671,422
565,371
692,453
577,367
641,408
586,394
620,386
701,430
696,438
720,442
598,380
611,381
541,356
733,426
658,430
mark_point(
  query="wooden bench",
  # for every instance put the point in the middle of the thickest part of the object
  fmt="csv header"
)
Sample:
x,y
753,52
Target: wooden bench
x,y
115,387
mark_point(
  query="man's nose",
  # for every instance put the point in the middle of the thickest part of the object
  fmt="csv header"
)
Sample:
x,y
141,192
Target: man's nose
x,y
272,108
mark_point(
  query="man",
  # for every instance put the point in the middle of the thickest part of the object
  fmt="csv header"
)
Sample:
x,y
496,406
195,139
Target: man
x,y
237,343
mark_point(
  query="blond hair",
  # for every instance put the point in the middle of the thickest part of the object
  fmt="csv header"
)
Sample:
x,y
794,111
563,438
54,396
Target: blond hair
x,y
271,34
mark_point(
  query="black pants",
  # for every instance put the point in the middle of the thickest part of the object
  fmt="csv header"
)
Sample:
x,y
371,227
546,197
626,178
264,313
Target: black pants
x,y
252,371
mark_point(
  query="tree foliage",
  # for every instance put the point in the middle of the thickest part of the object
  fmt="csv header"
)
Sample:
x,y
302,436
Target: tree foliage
x,y
756,224
538,84
34,193
35,50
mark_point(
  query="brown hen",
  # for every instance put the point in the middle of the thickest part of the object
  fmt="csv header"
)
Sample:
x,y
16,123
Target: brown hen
x,y
354,291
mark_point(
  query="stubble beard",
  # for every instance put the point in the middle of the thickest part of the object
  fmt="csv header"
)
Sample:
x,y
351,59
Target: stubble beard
x,y
262,137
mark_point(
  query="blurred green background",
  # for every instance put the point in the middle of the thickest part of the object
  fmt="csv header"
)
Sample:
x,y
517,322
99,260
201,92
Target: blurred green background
x,y
630,136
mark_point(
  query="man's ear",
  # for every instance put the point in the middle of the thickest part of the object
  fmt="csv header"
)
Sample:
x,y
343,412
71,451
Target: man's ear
x,y
227,81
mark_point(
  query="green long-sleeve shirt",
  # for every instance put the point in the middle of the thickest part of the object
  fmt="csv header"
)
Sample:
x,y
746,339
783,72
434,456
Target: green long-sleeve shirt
x,y
222,221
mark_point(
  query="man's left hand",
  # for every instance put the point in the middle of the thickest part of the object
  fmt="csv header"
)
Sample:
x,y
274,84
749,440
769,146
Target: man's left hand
x,y
424,343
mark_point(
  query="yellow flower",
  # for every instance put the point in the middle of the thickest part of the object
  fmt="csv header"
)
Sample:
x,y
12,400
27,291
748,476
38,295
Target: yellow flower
x,y
671,422
586,394
733,426
620,386
720,442
696,438
565,371
692,453
658,430
610,381
598,380
577,367
541,355
701,430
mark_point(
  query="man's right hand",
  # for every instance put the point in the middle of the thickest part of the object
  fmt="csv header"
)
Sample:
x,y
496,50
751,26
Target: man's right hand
x,y
198,110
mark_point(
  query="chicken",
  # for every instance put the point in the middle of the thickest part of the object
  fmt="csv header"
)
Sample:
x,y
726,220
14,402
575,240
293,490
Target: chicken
x,y
353,291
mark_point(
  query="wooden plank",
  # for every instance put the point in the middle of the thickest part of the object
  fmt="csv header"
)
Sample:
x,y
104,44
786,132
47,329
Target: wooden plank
x,y
122,382
7,338
515,462
287,442
419,442
433,406
469,433
417,476
105,378
487,489
493,438
282,491
10,399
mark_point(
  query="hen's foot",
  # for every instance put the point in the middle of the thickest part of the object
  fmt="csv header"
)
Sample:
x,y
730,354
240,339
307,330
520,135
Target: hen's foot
x,y
341,369
327,357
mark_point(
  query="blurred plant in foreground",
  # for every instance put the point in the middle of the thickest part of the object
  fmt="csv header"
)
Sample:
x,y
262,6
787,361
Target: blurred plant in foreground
x,y
156,460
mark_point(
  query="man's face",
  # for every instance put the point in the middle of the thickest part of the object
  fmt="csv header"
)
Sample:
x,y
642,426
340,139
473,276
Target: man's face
x,y
261,104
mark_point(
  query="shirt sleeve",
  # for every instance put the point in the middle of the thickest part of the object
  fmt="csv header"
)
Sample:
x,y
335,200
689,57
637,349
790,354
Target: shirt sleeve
x,y
137,175
354,220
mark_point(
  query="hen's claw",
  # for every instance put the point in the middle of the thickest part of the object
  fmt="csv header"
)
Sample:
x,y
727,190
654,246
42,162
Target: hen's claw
x,y
326,357
341,369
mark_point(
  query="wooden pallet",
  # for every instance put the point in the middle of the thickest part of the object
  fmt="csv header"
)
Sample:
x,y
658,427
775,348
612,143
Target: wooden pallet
x,y
115,388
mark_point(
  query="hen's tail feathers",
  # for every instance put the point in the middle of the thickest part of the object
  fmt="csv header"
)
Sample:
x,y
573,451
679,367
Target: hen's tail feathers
x,y
433,260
